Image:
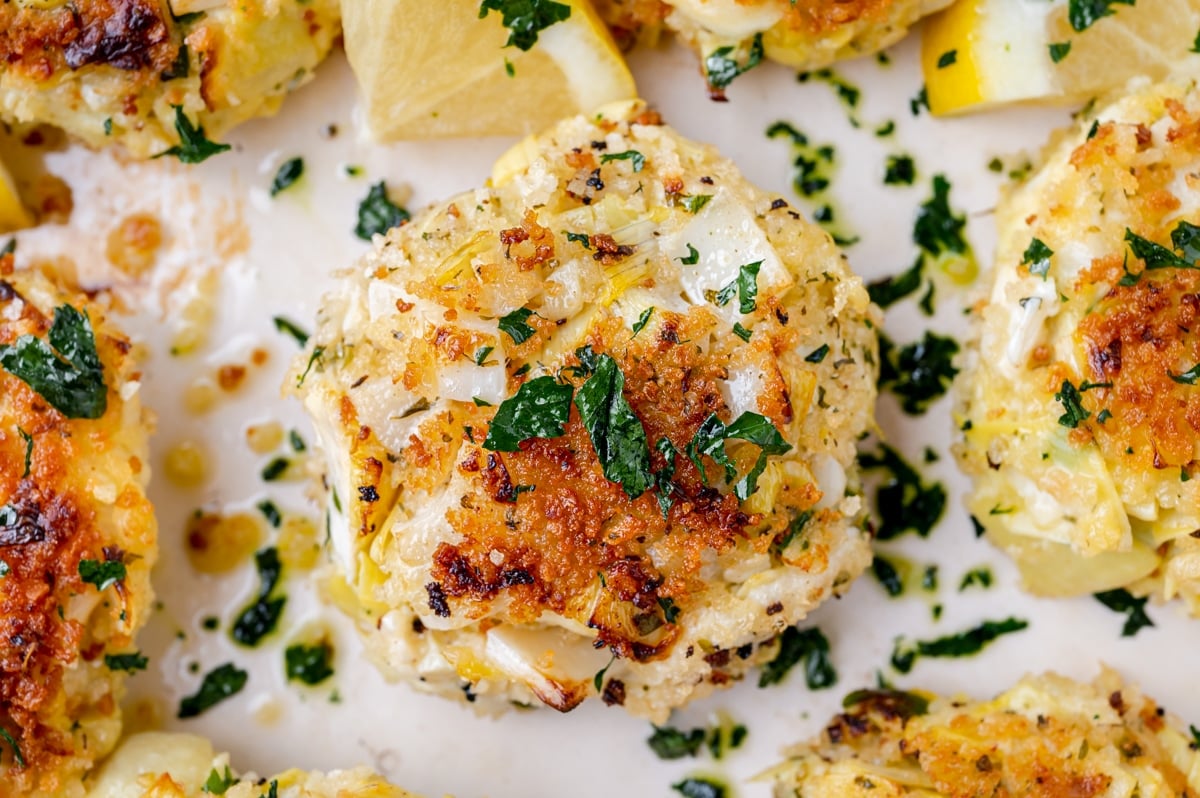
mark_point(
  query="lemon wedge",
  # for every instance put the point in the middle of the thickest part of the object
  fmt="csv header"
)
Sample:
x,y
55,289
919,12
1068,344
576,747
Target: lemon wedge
x,y
13,214
981,53
432,70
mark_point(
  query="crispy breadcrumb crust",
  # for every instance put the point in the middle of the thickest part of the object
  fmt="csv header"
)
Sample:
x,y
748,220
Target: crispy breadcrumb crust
x,y
83,499
174,765
805,34
1047,737
1103,493
111,71
457,555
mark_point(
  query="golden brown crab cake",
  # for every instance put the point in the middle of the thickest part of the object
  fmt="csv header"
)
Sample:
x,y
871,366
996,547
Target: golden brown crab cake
x,y
591,428
1081,403
128,71
805,34
1047,737
77,534
173,765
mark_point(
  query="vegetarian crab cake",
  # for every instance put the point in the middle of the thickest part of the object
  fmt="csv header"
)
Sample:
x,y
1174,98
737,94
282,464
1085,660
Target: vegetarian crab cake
x,y
77,535
1081,406
591,429
172,765
152,75
1046,737
733,35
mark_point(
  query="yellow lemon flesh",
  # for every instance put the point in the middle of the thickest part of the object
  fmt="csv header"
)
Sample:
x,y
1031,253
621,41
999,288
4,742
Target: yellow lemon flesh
x,y
433,70
13,215
979,54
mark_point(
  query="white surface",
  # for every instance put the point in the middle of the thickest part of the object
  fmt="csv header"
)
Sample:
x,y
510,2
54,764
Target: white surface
x,y
298,239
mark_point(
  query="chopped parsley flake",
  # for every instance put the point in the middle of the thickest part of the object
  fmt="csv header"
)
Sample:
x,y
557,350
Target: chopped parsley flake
x,y
377,213
218,685
219,783
126,662
1123,601
818,354
193,146
309,664
692,203
919,373
642,320
903,502
1072,402
1059,51
615,430
525,19
710,440
64,369
888,576
289,172
700,787
18,757
796,645
963,644
890,290
539,409
937,230
1085,13
261,617
637,160
947,58
720,67
28,451
289,327
692,258
102,575
901,171
670,743
514,325
981,577
1188,377
1037,258
481,354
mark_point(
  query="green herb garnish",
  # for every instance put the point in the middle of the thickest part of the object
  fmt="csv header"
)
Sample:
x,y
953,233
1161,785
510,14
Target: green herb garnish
x,y
642,320
289,172
219,783
18,757
540,409
616,432
1121,600
699,787
887,575
1037,258
637,160
963,644
126,662
692,258
64,369
919,373
289,327
309,664
710,440
514,325
947,59
692,203
1059,51
796,645
1072,402
720,67
218,685
101,574
261,617
670,743
1085,13
901,171
377,213
525,19
903,502
193,146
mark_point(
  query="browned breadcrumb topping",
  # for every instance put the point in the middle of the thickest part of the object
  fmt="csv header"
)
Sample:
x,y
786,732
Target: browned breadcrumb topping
x,y
55,530
130,35
1137,336
822,16
545,527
